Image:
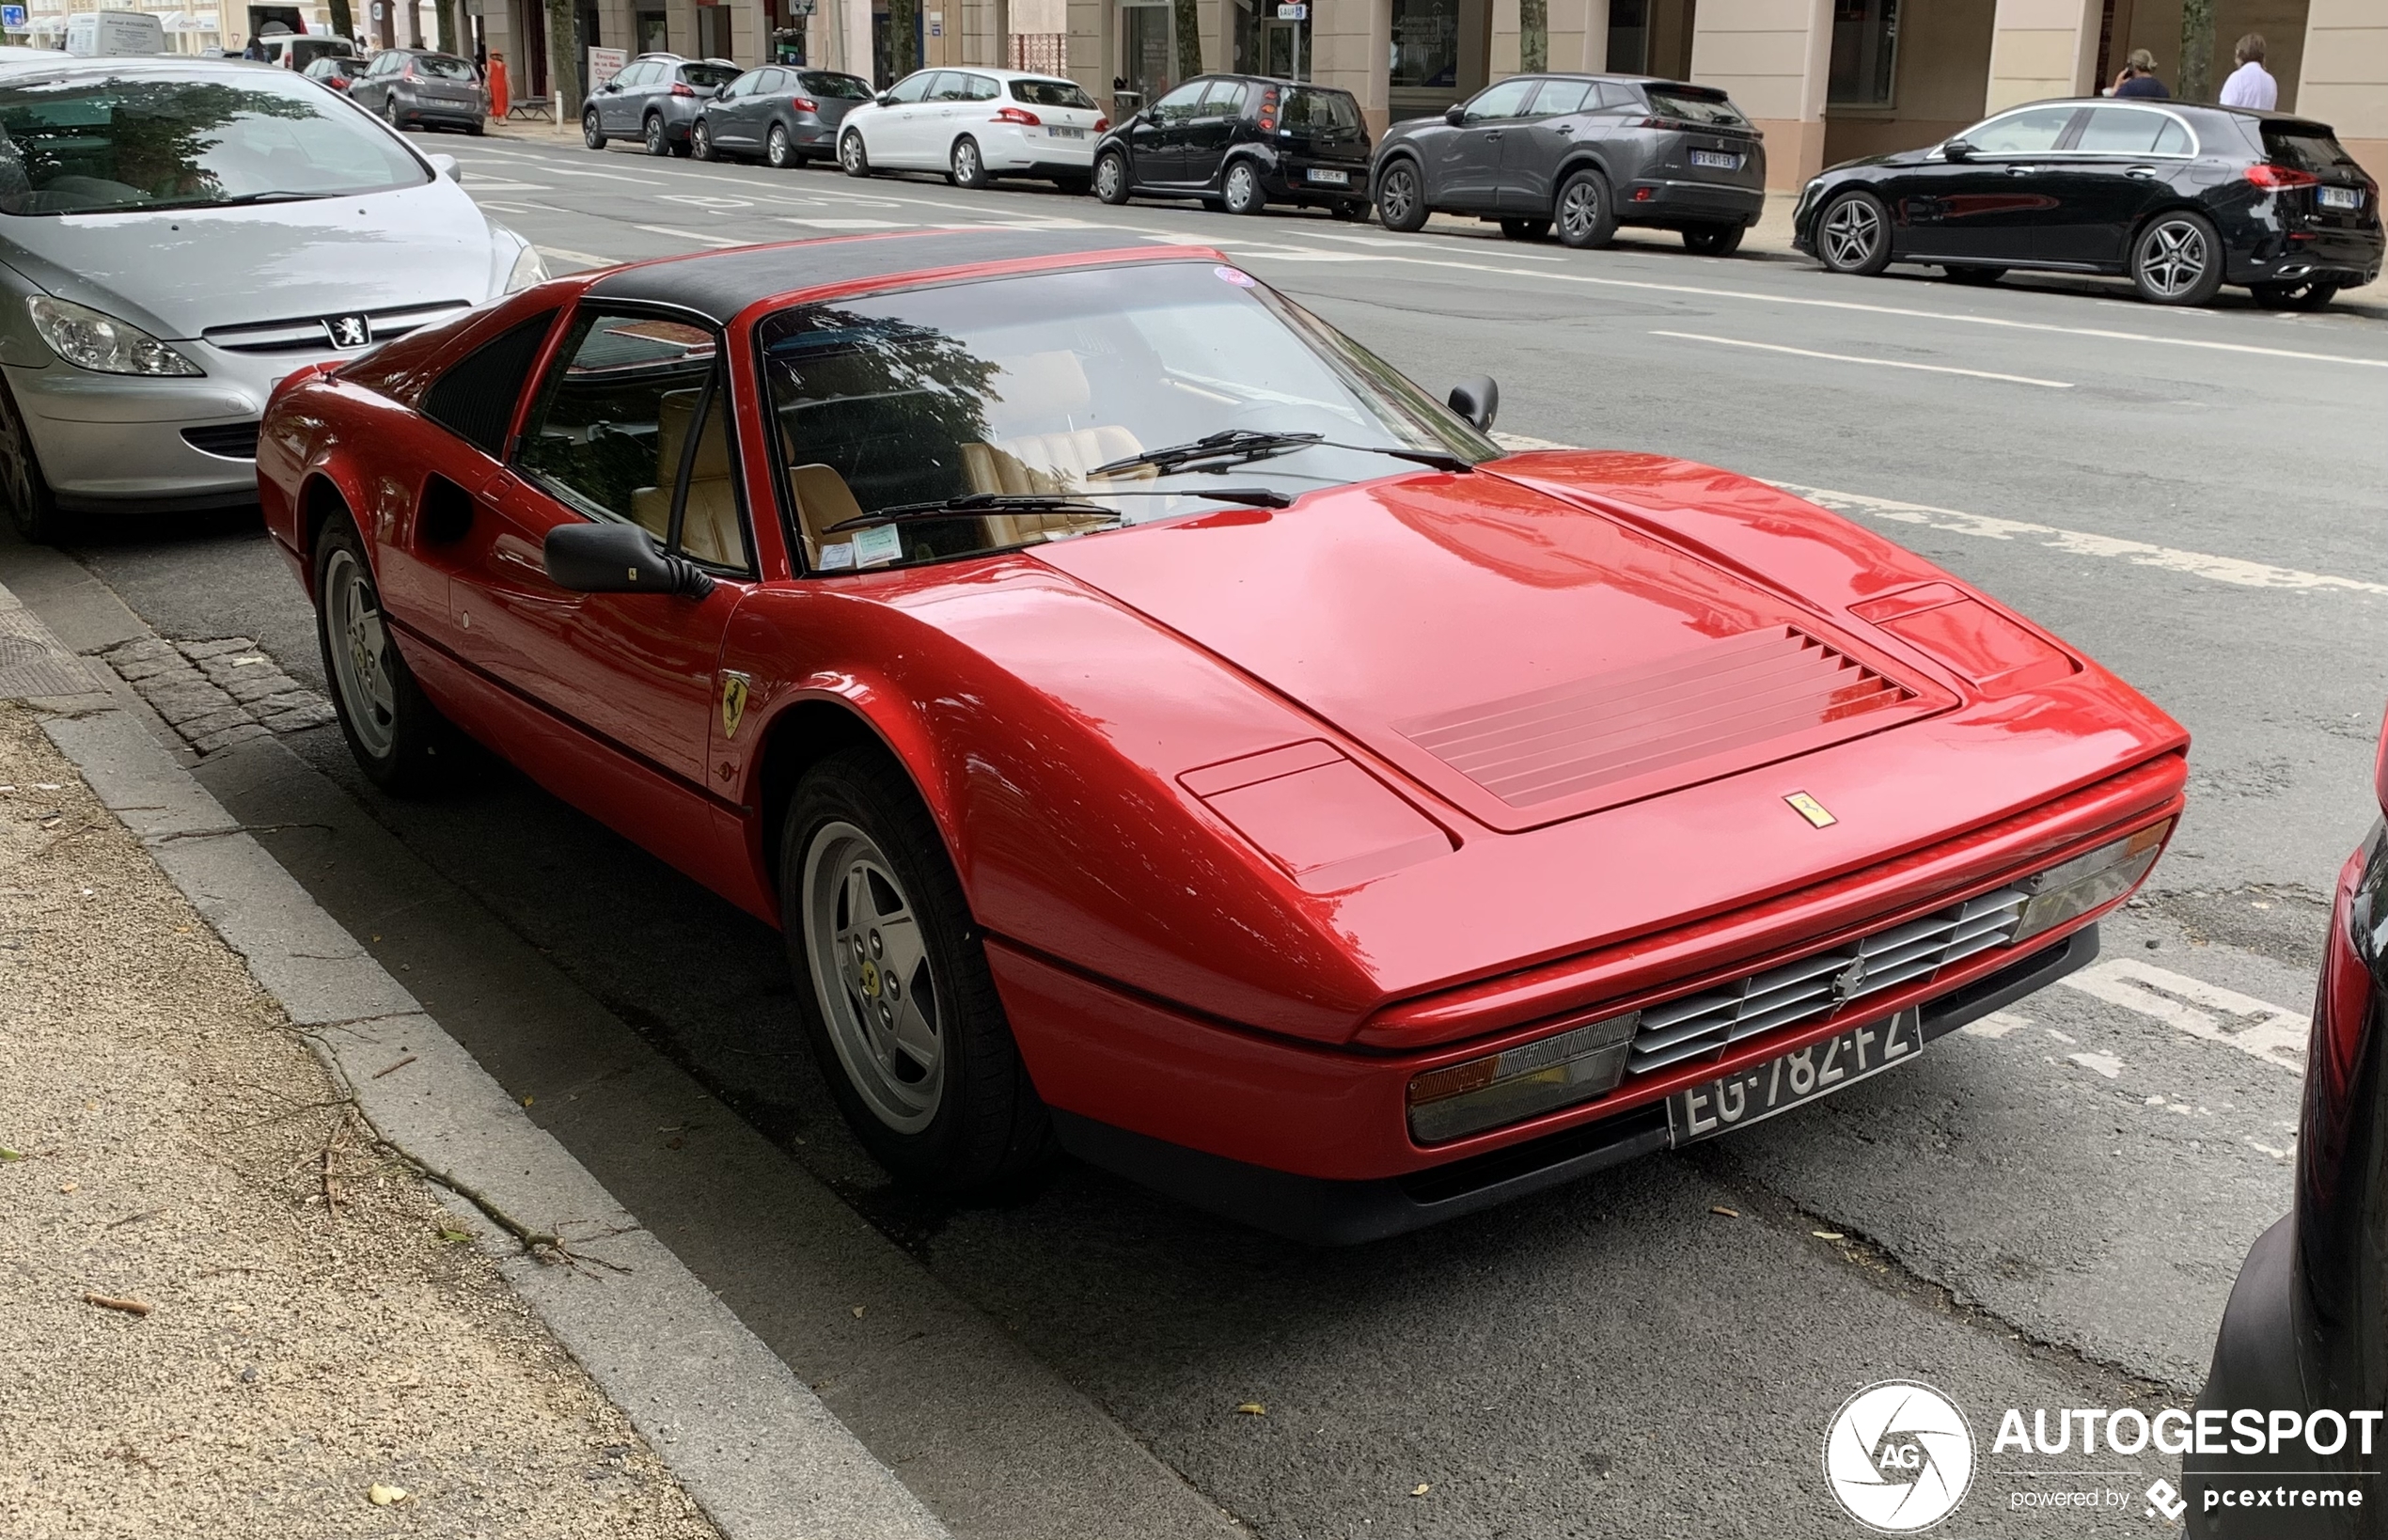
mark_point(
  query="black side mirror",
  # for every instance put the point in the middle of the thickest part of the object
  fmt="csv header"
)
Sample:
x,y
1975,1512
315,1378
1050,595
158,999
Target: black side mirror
x,y
720,93
607,558
1454,115
1476,400
1956,149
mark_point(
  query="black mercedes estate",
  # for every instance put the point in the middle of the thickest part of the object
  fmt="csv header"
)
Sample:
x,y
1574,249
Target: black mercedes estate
x,y
2181,198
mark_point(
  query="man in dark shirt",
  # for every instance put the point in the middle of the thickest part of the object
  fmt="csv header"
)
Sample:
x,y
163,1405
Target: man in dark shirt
x,y
2139,76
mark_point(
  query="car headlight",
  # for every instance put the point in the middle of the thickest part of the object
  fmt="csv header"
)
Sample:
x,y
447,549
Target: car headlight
x,y
91,339
2074,888
530,268
1533,1077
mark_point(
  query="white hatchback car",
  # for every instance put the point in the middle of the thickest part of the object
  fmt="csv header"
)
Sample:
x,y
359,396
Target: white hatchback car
x,y
975,125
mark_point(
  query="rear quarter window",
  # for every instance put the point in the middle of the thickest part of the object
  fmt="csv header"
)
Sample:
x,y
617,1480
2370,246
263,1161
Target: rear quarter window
x,y
475,400
1692,107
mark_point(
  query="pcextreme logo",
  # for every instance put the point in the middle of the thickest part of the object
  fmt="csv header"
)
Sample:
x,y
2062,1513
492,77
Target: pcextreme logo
x,y
1899,1456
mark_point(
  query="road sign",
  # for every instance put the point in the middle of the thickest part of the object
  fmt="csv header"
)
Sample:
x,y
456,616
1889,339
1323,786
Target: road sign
x,y
11,18
1293,13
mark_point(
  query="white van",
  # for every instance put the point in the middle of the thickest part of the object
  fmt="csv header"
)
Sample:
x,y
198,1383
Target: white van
x,y
96,32
296,51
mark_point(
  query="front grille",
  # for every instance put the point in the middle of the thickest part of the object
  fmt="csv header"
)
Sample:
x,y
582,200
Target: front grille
x,y
306,334
1704,1025
232,440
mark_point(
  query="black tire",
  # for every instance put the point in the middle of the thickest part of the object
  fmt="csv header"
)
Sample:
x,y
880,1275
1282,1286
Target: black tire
x,y
2308,295
651,134
967,165
389,113
1525,230
1351,211
400,739
1401,198
857,834
779,149
1713,239
2177,260
592,132
1110,178
701,140
853,158
1240,189
33,508
1585,211
1853,235
1979,276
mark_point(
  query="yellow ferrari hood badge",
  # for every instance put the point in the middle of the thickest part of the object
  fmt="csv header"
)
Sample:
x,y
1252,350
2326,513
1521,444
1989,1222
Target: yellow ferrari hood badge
x,y
1810,808
734,689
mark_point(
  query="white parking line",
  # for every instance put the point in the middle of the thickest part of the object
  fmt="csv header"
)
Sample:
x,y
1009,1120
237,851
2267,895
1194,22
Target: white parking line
x,y
579,259
847,224
1878,363
691,235
2272,1033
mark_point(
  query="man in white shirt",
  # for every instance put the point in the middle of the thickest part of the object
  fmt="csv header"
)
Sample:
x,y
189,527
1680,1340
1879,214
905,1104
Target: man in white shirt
x,y
2251,85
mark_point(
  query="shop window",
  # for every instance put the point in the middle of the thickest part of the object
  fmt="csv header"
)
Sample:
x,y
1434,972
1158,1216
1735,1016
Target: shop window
x,y
652,32
1426,42
1628,36
1865,51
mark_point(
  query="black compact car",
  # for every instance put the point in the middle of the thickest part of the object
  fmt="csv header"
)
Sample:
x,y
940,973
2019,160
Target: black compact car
x,y
656,99
338,70
1241,143
419,87
786,115
2182,199
2306,1330
1586,152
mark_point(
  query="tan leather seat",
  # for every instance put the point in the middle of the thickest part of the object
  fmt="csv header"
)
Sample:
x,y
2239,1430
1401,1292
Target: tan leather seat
x,y
823,498
709,529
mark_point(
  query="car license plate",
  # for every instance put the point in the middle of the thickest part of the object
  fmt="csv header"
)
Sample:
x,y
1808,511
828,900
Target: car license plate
x,y
1059,132
1780,1084
1332,179
2341,197
1721,159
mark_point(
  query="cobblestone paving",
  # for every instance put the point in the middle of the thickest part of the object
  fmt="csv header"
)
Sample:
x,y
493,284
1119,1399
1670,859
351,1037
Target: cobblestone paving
x,y
219,692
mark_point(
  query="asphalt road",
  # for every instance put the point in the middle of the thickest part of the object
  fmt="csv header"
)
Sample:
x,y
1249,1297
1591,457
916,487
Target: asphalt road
x,y
2047,1211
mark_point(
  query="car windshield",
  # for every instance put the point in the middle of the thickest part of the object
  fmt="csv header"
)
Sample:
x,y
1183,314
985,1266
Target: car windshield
x,y
442,67
836,88
1025,386
1694,107
708,77
86,145
1052,93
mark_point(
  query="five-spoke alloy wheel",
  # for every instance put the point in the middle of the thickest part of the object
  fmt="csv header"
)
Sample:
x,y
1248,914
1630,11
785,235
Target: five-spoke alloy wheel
x,y
1853,235
2177,260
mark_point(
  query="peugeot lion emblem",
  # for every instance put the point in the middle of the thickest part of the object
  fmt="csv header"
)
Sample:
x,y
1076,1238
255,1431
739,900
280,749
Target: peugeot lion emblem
x,y
348,331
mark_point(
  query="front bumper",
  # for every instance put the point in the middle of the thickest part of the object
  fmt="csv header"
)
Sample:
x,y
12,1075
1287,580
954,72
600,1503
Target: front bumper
x,y
1662,200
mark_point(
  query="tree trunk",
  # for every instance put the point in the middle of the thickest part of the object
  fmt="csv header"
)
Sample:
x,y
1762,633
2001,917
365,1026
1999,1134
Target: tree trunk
x,y
445,14
2197,50
563,62
904,20
344,23
1189,38
1534,36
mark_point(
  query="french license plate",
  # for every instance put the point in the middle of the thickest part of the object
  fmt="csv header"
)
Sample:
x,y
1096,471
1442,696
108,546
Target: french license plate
x,y
1721,159
1780,1084
1332,179
1059,132
2341,197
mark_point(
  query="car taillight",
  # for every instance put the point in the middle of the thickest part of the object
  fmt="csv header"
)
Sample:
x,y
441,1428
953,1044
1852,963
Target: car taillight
x,y
2280,177
1018,115
804,103
682,89
1268,110
1102,123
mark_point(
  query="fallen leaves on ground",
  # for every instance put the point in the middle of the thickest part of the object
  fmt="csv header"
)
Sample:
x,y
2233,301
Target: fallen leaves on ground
x,y
1728,1213
382,1497
130,1307
1421,1489
1253,1409
1827,1235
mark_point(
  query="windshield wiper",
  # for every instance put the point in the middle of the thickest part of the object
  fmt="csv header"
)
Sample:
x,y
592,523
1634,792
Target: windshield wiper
x,y
1247,444
271,195
1004,502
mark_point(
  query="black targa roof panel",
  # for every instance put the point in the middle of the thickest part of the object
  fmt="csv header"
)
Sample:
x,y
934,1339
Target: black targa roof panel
x,y
720,284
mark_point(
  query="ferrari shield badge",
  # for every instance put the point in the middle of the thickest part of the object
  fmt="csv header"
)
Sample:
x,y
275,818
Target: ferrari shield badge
x,y
1805,806
734,686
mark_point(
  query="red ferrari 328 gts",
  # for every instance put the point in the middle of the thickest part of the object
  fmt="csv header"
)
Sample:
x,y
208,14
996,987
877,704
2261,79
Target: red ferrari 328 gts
x,y
1163,731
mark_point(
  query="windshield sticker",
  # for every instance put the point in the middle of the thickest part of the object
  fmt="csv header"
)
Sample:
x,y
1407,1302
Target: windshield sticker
x,y
881,542
1236,276
834,558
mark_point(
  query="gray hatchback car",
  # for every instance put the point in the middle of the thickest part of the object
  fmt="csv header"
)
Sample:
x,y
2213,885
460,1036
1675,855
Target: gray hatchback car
x,y
1586,152
419,87
654,100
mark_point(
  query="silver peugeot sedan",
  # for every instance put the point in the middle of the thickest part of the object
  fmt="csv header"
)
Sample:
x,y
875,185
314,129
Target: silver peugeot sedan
x,y
176,235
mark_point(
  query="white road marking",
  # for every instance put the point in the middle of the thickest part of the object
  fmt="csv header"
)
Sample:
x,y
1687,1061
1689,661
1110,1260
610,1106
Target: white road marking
x,y
701,200
1996,1025
2234,570
1877,362
584,259
847,224
474,182
2104,1063
2276,1155
2272,1033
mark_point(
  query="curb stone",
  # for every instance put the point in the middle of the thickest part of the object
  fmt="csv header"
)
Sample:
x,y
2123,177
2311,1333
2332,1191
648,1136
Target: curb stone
x,y
751,1442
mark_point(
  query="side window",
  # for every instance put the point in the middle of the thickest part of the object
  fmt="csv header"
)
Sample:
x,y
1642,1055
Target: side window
x,y
978,88
2122,131
913,88
476,399
632,425
1178,106
1505,99
2032,132
952,85
1558,98
767,82
1225,99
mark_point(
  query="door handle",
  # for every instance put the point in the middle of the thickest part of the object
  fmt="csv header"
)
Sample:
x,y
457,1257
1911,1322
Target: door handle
x,y
2145,173
2021,170
1566,128
1491,136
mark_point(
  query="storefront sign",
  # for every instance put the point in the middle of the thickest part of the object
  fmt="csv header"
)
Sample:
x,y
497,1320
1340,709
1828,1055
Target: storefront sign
x,y
604,64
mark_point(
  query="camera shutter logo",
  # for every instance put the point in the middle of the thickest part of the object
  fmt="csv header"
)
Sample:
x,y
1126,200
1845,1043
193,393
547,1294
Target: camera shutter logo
x,y
1899,1456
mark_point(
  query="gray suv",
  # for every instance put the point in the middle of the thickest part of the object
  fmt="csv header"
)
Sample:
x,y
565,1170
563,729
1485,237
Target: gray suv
x,y
655,99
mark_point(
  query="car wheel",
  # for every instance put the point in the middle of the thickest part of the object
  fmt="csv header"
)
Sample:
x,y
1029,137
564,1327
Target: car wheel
x,y
701,140
1586,216
401,740
2308,295
651,133
1350,211
778,150
1241,192
852,157
1973,274
2177,260
1110,176
1713,239
33,508
892,984
1401,203
1853,235
389,113
1525,230
592,132
969,168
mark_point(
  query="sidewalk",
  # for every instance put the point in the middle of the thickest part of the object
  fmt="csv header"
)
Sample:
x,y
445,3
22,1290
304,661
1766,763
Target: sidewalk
x,y
230,1311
